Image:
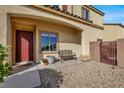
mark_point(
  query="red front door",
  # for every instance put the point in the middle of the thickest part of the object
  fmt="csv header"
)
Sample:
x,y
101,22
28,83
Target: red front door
x,y
24,46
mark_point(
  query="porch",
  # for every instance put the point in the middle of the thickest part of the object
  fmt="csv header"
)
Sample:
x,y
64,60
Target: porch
x,y
34,40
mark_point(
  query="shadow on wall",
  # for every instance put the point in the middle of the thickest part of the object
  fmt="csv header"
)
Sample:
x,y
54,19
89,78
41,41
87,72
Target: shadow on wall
x,y
50,78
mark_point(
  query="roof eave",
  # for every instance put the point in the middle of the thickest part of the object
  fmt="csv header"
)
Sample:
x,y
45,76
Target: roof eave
x,y
119,24
67,16
95,9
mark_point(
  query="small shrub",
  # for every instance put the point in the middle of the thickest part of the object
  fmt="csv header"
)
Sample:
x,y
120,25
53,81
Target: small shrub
x,y
5,68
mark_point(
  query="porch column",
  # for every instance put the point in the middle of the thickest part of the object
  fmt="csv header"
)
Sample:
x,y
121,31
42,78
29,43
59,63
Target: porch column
x,y
9,41
5,34
37,45
85,53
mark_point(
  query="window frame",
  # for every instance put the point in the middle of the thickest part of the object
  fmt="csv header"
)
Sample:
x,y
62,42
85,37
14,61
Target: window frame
x,y
87,18
49,51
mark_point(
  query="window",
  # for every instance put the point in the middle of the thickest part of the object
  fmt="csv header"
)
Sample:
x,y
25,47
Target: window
x,y
48,42
85,13
55,6
64,8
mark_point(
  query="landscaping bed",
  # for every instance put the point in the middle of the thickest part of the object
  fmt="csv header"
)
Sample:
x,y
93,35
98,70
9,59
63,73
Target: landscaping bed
x,y
81,75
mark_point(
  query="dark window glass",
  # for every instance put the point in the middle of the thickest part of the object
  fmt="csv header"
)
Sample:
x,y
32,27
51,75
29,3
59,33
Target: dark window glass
x,y
55,6
44,42
48,42
53,42
85,14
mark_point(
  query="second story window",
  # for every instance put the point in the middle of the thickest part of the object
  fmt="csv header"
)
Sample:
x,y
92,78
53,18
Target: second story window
x,y
64,8
55,6
85,13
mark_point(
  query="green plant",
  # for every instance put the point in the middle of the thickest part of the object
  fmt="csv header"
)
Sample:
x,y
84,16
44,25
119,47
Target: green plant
x,y
5,68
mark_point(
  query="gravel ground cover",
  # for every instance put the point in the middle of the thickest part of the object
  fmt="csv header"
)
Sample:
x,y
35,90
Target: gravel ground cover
x,y
83,75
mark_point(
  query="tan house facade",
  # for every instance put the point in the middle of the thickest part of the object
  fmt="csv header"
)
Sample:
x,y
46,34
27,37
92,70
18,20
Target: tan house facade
x,y
34,32
113,32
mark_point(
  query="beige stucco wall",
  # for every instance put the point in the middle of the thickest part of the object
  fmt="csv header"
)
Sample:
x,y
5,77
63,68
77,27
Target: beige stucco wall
x,y
95,51
120,53
77,10
88,33
3,28
96,18
68,38
112,32
93,16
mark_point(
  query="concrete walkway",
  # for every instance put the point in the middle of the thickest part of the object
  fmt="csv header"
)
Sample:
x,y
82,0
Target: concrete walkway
x,y
26,76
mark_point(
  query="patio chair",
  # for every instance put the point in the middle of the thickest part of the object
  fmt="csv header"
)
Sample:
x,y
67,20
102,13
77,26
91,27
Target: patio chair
x,y
66,54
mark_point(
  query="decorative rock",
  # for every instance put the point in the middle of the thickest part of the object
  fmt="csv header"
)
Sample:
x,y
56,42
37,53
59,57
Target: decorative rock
x,y
87,74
